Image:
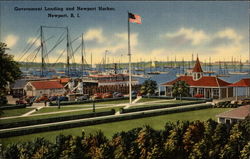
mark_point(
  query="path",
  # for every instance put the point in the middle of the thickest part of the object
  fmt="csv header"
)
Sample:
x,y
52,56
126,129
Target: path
x,y
97,118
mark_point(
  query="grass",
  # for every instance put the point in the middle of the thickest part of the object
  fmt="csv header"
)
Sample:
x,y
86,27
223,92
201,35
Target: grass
x,y
160,103
149,99
15,112
121,101
55,109
54,115
110,129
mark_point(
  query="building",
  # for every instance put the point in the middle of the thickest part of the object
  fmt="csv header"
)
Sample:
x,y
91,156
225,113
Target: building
x,y
234,115
39,88
243,83
17,90
204,86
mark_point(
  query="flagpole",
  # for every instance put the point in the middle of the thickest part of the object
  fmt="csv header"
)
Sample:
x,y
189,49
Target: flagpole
x,y
129,56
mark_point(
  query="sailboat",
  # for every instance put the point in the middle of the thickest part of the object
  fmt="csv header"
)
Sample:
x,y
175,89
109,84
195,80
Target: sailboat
x,y
154,66
240,72
223,71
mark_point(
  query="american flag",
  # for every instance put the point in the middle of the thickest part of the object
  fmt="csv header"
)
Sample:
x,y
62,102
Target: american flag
x,y
134,18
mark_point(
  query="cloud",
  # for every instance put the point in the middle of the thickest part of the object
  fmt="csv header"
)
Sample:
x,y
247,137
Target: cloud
x,y
186,35
95,35
229,33
34,40
124,37
11,40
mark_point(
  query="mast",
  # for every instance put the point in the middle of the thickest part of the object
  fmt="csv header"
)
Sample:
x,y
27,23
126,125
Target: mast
x,y
82,52
91,61
42,52
67,51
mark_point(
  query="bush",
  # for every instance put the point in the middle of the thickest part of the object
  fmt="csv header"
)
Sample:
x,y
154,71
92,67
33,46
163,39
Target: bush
x,y
3,100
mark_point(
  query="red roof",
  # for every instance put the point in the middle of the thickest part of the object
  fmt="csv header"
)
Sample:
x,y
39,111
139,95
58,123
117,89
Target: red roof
x,y
197,67
46,84
238,113
62,80
245,82
205,81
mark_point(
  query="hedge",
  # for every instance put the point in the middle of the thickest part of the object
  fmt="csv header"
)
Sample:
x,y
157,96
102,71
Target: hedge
x,y
85,101
226,104
55,119
151,107
13,107
113,118
178,98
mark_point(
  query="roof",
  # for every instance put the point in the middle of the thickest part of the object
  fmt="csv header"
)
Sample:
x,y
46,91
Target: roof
x,y
204,81
238,113
47,84
62,80
245,82
19,84
197,67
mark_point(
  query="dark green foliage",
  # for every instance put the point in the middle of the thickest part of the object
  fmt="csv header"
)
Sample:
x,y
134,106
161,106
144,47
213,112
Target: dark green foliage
x,y
181,89
148,87
180,140
9,71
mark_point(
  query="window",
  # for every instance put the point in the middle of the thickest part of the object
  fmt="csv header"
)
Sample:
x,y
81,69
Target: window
x,y
216,92
200,91
222,120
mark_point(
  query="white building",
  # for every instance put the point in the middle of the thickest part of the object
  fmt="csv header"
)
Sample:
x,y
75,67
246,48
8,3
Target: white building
x,y
39,88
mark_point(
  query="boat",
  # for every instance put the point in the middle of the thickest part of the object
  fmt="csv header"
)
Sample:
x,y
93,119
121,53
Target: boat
x,y
238,73
153,73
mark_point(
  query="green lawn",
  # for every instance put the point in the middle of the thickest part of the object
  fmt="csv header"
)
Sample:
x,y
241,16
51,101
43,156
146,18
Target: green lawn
x,y
55,109
160,103
15,112
103,103
54,115
149,99
110,129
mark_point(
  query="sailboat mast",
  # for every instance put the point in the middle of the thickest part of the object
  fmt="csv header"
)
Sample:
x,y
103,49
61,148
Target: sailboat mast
x,y
42,52
67,51
82,52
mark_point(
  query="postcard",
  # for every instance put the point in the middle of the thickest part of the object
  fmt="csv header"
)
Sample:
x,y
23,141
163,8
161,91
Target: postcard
x,y
124,79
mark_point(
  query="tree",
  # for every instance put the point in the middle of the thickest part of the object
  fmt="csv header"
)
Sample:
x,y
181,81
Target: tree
x,y
9,71
181,88
148,87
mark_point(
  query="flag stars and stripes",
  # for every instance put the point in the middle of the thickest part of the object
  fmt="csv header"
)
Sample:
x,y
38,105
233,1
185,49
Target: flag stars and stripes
x,y
134,18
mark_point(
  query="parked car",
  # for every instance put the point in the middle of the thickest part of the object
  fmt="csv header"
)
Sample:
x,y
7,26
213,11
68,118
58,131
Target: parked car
x,y
107,95
53,98
81,98
198,95
134,94
117,95
63,98
20,101
97,96
42,99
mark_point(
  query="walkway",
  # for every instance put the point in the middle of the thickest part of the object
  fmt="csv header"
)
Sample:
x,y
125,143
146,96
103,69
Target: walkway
x,y
97,118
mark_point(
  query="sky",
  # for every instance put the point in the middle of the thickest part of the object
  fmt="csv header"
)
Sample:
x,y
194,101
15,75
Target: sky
x,y
169,30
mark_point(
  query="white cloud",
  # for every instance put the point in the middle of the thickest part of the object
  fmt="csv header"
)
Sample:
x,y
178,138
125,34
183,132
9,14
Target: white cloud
x,y
95,34
32,40
229,34
124,37
11,40
196,37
